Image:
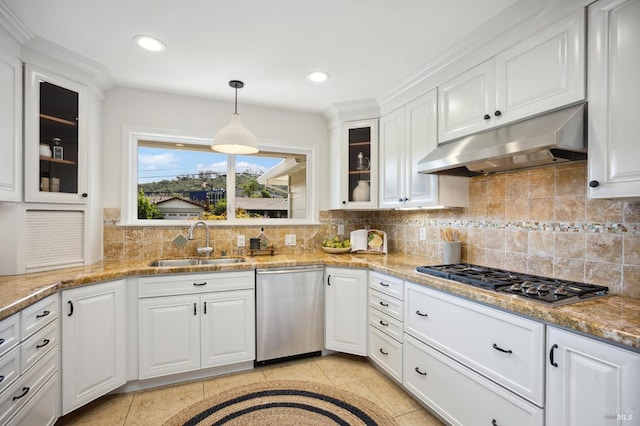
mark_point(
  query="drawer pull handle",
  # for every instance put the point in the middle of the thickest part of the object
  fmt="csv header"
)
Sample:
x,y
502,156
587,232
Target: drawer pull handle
x,y
1,379
384,284
384,324
498,348
493,422
25,390
200,284
1,341
45,342
420,372
329,277
421,314
555,364
42,315
70,308
386,305
383,352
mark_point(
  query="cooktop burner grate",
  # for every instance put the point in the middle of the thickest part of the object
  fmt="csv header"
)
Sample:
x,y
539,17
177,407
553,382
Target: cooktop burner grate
x,y
534,287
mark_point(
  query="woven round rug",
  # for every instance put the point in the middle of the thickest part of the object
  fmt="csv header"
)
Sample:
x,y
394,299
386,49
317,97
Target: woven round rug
x,y
283,403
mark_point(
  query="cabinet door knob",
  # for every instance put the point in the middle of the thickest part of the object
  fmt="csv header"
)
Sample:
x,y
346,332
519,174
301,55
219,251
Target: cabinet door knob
x,y
497,113
594,184
487,117
85,195
400,199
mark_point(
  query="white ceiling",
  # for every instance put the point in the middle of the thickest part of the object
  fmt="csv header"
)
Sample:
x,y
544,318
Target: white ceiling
x,y
368,46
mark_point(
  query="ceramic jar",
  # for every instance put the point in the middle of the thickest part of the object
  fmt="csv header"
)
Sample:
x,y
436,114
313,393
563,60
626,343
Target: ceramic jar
x,y
362,191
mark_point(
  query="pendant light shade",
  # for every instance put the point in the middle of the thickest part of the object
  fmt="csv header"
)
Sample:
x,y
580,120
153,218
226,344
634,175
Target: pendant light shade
x,y
235,138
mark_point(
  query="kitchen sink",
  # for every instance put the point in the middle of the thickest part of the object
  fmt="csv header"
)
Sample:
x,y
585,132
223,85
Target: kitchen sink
x,y
196,261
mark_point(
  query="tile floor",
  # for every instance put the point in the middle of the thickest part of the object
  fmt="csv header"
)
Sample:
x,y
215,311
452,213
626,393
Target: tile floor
x,y
153,407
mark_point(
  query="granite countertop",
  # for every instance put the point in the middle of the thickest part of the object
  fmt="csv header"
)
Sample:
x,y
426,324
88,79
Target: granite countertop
x,y
615,318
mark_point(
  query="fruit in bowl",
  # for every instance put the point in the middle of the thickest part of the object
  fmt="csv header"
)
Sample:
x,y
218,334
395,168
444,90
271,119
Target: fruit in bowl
x,y
336,245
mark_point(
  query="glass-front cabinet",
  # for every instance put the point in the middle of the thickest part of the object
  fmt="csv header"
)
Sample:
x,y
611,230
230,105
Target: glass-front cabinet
x,y
55,139
360,165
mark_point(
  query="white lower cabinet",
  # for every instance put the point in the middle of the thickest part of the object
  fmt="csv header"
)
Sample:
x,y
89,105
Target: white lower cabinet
x,y
42,409
29,387
385,322
505,348
93,342
196,321
169,333
460,395
346,310
590,383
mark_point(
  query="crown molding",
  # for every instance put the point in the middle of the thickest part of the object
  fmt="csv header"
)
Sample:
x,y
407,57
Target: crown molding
x,y
44,53
361,109
493,28
14,26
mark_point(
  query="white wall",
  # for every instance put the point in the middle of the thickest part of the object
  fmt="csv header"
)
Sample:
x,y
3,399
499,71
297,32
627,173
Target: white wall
x,y
203,117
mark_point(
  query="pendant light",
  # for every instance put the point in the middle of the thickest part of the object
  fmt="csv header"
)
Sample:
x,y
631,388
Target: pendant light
x,y
235,138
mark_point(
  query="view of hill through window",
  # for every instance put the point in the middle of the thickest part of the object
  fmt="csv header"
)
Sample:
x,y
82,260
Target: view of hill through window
x,y
191,182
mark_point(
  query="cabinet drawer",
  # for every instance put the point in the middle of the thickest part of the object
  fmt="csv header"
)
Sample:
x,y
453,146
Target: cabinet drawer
x,y
39,314
42,409
386,284
386,352
387,304
9,368
458,394
28,385
386,324
9,333
507,348
38,345
195,283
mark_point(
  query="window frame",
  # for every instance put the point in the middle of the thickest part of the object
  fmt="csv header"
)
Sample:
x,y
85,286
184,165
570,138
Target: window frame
x,y
129,185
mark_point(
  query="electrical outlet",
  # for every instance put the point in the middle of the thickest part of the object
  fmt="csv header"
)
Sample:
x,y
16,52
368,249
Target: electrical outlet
x,y
423,234
341,229
290,240
241,241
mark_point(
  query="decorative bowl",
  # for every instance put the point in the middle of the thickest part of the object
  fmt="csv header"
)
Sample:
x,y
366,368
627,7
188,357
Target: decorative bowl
x,y
336,250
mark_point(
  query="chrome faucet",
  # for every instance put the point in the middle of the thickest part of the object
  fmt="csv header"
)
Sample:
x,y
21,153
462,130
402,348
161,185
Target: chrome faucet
x,y
207,249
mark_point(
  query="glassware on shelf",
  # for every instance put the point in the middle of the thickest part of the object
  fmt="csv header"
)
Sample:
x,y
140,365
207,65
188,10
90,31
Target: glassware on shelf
x,y
363,162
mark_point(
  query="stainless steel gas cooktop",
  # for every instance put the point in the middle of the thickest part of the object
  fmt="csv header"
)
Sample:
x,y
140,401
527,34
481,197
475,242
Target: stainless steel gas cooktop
x,y
542,289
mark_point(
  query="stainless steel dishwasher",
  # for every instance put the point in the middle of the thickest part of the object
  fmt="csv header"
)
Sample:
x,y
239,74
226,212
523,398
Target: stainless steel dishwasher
x,y
289,313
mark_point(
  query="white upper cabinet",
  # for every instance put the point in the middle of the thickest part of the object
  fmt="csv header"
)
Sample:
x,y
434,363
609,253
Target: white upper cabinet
x,y
541,73
10,125
464,102
614,67
407,135
359,172
56,114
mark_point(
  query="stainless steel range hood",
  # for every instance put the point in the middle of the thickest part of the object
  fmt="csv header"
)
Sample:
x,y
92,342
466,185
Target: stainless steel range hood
x,y
551,138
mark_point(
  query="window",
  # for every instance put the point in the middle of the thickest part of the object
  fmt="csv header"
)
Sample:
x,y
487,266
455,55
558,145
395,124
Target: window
x,y
180,178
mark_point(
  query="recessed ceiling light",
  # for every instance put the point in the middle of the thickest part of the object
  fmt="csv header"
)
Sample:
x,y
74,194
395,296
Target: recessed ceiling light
x,y
318,76
149,43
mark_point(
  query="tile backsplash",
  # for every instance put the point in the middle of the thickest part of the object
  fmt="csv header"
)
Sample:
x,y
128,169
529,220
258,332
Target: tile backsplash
x,y
538,221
